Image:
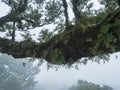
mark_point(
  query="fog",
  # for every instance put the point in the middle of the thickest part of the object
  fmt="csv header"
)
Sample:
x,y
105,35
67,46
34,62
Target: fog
x,y
103,74
61,79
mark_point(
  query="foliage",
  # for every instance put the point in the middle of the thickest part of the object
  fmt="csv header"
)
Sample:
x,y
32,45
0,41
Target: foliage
x,y
16,74
36,15
89,33
45,35
84,85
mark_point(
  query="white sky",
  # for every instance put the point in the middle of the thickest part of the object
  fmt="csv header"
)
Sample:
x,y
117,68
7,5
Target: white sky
x,y
107,73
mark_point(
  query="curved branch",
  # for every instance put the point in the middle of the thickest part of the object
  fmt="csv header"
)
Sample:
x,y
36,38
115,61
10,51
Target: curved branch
x,y
72,50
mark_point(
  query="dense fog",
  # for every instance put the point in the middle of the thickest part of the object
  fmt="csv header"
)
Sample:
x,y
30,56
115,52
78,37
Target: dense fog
x,y
25,75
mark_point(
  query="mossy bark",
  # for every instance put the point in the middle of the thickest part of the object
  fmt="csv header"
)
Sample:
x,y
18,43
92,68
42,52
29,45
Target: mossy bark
x,y
63,48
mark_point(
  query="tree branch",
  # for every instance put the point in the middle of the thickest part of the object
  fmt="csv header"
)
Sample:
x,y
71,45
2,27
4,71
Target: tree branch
x,y
66,47
118,1
75,4
63,48
65,11
9,18
72,50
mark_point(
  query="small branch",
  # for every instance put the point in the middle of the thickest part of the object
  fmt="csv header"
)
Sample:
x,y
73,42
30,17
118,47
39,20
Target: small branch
x,y
118,1
75,4
109,19
65,11
8,18
38,25
13,32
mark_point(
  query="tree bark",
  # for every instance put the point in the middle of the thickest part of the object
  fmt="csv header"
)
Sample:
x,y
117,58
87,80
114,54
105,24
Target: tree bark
x,y
118,1
65,11
77,13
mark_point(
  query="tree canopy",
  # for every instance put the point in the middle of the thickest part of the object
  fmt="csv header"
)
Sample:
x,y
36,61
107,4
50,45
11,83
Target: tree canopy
x,y
90,33
17,74
84,85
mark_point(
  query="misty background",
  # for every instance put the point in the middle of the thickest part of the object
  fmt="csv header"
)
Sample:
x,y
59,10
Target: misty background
x,y
103,74
64,78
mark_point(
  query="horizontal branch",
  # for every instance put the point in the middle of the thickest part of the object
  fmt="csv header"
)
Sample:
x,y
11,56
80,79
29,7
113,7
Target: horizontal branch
x,y
69,46
63,48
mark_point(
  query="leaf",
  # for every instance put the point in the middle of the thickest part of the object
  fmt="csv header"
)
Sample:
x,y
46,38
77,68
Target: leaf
x,y
89,40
